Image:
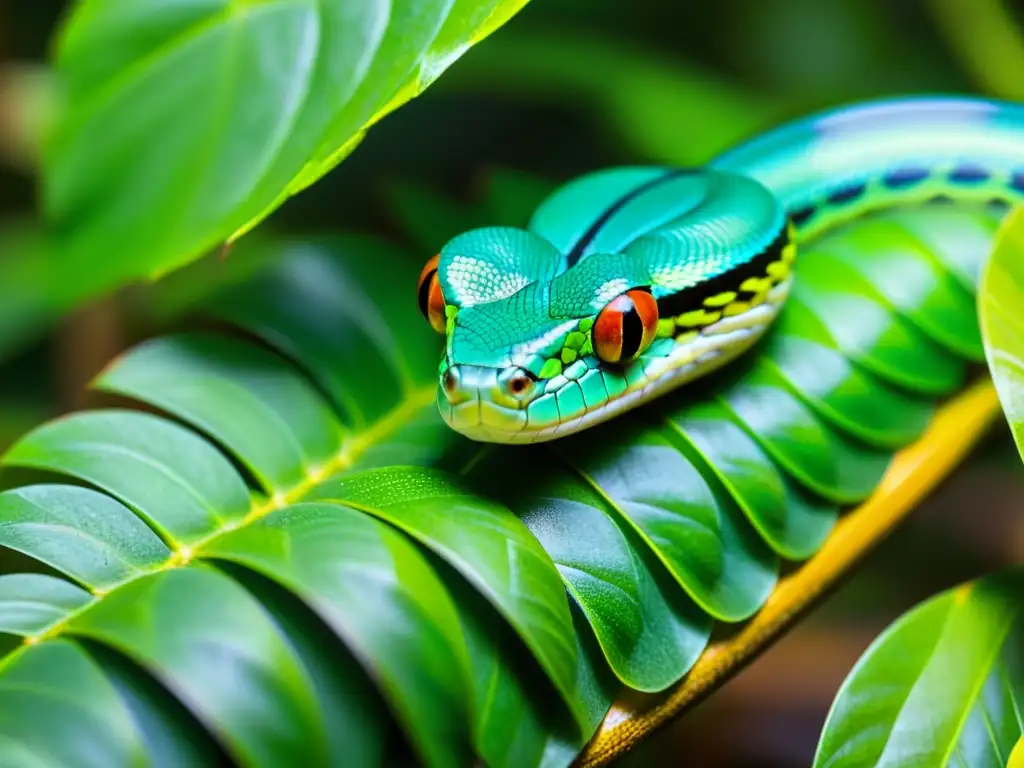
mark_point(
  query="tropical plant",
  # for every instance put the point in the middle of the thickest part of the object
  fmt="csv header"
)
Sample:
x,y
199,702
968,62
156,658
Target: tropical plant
x,y
944,685
278,93
267,546
323,538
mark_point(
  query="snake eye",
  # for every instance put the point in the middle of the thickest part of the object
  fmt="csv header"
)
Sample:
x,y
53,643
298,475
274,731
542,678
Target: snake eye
x,y
431,300
626,326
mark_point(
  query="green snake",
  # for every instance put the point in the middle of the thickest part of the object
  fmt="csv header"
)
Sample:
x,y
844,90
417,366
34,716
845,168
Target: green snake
x,y
633,281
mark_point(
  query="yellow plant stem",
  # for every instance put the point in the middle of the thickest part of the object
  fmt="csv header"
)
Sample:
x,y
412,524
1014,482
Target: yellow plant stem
x,y
1017,756
913,473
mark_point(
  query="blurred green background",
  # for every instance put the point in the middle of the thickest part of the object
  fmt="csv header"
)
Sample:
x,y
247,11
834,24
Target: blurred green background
x,y
566,87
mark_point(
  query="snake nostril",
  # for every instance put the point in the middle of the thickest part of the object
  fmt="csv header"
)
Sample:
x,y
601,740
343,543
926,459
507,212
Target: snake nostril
x,y
451,384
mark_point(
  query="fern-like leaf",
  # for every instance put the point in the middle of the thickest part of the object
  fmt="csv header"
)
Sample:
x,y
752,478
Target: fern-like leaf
x,y
297,558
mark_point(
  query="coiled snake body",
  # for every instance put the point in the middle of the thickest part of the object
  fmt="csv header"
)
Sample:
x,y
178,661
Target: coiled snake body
x,y
633,281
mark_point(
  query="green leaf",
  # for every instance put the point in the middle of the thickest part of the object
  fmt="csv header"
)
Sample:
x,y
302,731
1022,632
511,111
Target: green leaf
x,y
844,395
56,684
817,456
1000,300
960,238
84,534
882,341
209,641
423,440
252,103
793,522
400,624
31,603
519,715
244,396
944,685
908,279
528,583
486,543
360,726
648,630
698,533
177,481
355,317
170,733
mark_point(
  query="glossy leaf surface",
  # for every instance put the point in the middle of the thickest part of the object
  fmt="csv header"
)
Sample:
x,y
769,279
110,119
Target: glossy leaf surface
x,y
291,554
943,686
57,683
358,576
1002,322
252,102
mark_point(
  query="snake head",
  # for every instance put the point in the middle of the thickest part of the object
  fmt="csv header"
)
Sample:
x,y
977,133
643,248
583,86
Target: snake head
x,y
528,341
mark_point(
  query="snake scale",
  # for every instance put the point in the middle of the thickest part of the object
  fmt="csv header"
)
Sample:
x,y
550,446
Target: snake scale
x,y
632,281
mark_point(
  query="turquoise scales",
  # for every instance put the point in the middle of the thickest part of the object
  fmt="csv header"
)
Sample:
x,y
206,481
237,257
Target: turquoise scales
x,y
633,281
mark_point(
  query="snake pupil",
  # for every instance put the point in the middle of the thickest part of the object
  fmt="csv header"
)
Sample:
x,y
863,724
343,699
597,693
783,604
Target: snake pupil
x,y
632,332
626,326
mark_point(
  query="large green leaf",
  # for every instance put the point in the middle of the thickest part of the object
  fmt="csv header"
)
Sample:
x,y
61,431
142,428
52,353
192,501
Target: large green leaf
x,y
505,563
57,682
650,633
1002,322
293,512
700,535
134,457
792,522
181,125
31,603
353,572
943,686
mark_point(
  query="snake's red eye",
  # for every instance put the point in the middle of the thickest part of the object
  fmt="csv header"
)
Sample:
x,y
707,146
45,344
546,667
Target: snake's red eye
x,y
431,300
626,326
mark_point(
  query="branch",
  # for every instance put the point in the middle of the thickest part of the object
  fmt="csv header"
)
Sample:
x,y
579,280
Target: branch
x,y
914,472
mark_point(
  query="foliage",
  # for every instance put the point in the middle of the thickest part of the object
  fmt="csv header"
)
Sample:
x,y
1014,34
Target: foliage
x,y
181,127
1002,296
289,515
944,685
280,551
25,274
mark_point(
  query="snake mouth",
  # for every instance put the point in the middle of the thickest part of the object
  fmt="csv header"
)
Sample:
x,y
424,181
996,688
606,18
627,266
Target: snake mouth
x,y
485,404
477,402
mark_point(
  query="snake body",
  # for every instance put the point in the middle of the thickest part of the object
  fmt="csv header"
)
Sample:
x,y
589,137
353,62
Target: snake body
x,y
631,282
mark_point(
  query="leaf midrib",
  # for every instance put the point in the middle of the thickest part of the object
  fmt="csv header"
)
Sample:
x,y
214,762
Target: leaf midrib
x,y
350,451
984,671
